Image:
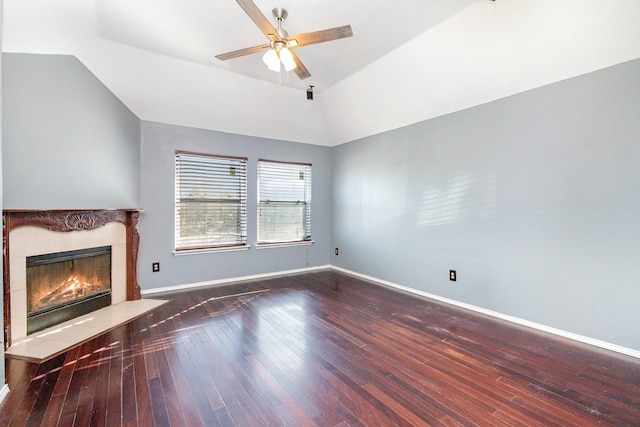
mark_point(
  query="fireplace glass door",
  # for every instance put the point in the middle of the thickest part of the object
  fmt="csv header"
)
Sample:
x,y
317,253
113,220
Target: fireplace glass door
x,y
65,285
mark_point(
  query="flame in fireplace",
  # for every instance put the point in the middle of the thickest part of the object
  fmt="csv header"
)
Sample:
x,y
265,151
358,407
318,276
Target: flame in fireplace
x,y
69,290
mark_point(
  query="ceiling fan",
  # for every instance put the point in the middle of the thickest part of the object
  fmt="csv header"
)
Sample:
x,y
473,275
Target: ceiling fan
x,y
279,52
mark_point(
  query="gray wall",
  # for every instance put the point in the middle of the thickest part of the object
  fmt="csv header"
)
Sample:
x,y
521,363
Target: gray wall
x,y
69,142
533,199
159,143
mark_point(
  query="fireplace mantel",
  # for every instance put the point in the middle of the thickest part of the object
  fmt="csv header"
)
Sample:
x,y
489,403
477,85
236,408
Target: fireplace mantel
x,y
65,221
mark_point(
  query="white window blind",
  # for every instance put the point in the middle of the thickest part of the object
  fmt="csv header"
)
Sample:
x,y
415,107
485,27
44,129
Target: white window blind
x,y
211,201
284,202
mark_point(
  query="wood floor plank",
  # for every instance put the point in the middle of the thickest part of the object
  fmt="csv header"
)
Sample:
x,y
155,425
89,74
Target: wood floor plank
x,y
89,380
75,391
100,401
322,349
115,392
144,413
128,378
173,407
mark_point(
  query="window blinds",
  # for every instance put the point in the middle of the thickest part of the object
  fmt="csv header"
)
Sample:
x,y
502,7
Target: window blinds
x,y
211,201
284,202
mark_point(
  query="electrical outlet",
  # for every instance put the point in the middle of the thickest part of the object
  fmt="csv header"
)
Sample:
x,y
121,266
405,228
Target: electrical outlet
x,y
337,251
155,267
452,275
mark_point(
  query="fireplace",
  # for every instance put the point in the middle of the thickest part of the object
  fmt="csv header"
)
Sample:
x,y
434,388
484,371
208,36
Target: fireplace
x,y
65,285
31,235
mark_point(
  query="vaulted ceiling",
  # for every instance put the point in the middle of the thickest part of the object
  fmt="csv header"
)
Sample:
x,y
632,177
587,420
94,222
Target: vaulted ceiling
x,y
408,60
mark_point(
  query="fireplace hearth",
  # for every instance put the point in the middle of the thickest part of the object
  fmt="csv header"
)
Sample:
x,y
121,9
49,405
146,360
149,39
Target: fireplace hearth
x,y
65,285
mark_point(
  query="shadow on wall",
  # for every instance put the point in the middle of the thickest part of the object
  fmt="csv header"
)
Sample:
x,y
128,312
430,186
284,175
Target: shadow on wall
x,y
466,196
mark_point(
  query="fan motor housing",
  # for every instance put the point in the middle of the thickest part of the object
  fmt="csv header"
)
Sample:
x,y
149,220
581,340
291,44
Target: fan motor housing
x,y
280,13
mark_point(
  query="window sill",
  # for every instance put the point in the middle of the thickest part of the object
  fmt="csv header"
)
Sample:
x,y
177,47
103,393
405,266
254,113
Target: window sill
x,y
282,245
211,250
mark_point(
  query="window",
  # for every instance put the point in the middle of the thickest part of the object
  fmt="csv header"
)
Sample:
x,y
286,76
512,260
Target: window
x,y
211,201
284,202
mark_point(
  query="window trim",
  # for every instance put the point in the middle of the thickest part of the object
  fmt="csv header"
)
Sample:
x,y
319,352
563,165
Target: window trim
x,y
285,244
235,248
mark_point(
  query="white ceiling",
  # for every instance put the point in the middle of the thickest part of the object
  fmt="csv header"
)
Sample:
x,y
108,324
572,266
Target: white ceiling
x,y
197,30
408,60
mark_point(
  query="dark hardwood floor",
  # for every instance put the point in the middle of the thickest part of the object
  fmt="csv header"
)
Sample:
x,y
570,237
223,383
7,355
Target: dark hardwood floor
x,y
298,351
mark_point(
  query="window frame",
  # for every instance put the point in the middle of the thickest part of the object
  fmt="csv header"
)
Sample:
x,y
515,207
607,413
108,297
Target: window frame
x,y
306,239
181,161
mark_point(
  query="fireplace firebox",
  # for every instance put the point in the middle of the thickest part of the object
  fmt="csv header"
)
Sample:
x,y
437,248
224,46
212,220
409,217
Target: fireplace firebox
x,y
65,285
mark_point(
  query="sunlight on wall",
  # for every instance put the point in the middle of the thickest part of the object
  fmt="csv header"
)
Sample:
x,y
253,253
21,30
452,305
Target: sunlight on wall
x,y
467,196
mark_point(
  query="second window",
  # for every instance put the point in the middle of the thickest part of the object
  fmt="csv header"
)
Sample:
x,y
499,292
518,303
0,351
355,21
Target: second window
x,y
284,202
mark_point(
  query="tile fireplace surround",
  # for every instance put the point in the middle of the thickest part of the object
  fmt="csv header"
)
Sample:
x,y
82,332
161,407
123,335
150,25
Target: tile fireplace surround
x,y
33,232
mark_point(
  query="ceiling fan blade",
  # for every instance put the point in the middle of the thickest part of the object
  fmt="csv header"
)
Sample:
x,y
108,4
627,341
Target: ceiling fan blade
x,y
300,70
242,52
259,19
305,39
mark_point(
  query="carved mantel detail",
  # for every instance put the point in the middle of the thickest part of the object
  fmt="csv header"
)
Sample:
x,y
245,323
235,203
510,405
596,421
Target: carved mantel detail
x,y
64,221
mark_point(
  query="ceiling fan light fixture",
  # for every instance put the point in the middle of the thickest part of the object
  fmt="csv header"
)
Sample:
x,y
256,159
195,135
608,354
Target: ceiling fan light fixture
x,y
271,59
287,59
277,55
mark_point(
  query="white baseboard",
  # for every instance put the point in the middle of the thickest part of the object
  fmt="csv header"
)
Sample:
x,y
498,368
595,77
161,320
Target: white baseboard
x,y
581,338
4,391
221,282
